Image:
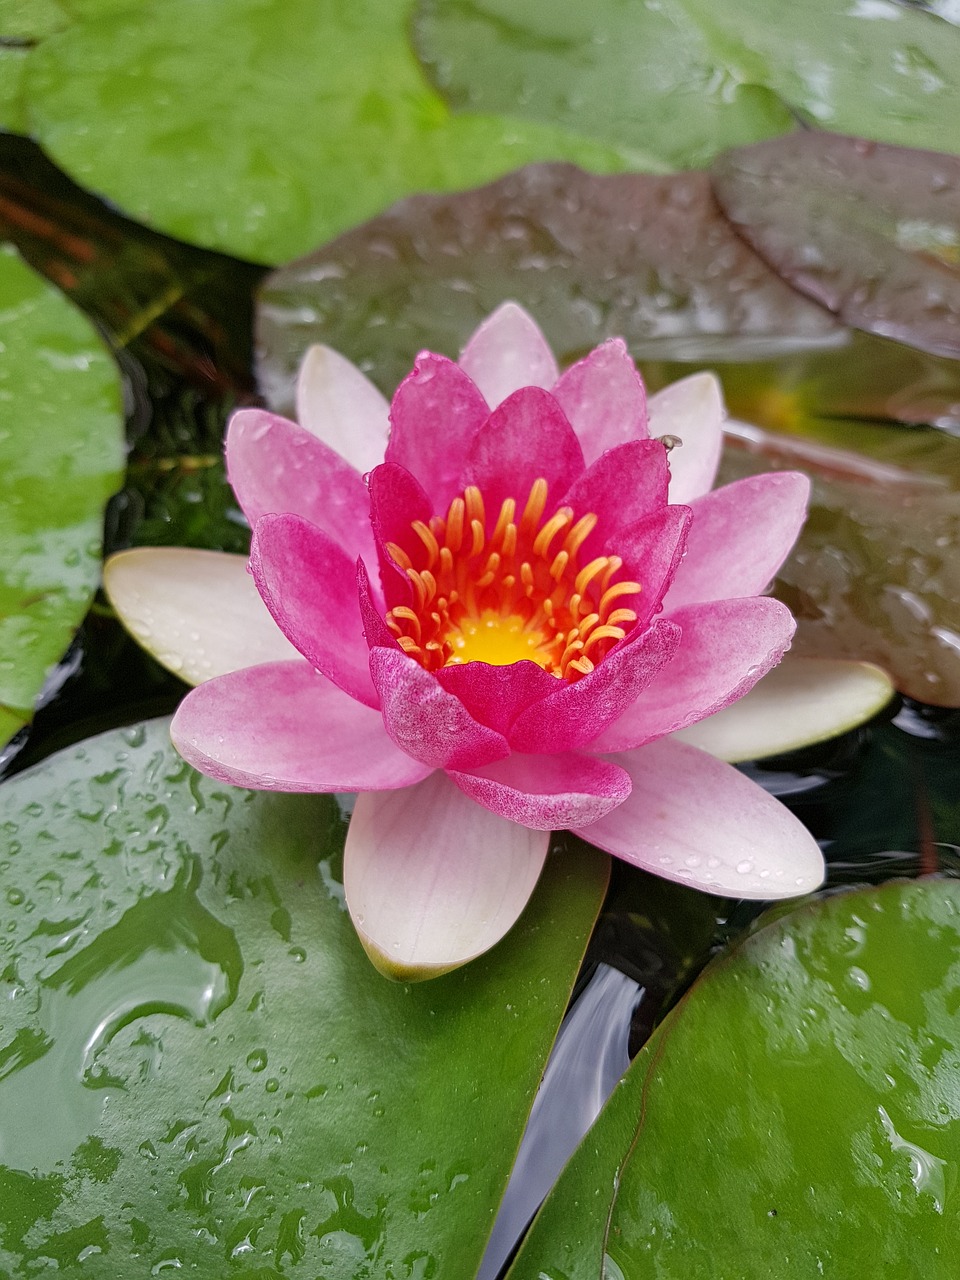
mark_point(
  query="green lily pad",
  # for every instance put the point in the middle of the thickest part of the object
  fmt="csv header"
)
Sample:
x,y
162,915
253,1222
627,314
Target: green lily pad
x,y
872,232
61,456
797,1113
686,78
200,1069
22,23
650,259
319,117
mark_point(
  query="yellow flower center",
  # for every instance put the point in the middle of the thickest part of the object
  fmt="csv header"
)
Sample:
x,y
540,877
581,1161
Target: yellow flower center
x,y
516,593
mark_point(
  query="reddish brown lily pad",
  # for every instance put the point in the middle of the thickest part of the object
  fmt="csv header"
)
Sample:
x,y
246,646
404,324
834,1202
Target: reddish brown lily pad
x,y
870,231
650,259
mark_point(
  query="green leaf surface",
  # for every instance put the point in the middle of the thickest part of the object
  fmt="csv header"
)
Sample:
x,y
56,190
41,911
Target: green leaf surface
x,y
319,117
200,1069
650,259
61,456
798,1112
872,232
686,78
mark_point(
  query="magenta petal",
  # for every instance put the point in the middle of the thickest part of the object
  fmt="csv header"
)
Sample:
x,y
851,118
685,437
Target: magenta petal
x,y
577,713
432,880
652,548
508,352
725,647
604,398
625,484
740,536
425,720
692,818
396,500
435,415
309,584
526,438
375,630
547,792
284,727
692,410
278,468
496,695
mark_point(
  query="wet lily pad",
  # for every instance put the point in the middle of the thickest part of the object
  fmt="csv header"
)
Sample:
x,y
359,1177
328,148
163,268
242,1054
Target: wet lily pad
x,y
795,1114
874,575
320,117
61,456
650,259
200,1069
871,232
686,78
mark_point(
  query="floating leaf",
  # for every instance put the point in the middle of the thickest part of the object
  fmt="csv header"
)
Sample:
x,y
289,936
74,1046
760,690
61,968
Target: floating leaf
x,y
874,574
200,1069
649,259
319,117
797,1112
685,78
61,457
872,232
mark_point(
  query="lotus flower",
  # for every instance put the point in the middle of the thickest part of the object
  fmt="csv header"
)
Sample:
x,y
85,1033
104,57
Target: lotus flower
x,y
488,607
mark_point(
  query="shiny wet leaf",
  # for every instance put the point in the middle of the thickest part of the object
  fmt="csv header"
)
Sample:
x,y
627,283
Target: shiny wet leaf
x,y
796,1113
61,457
199,1068
872,232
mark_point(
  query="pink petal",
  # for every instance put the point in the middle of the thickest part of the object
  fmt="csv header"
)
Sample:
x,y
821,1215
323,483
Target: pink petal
x,y
496,695
278,468
652,549
435,415
526,438
547,792
626,483
432,880
577,713
692,818
740,536
604,398
725,647
508,352
396,500
309,585
375,630
692,410
341,406
284,727
427,722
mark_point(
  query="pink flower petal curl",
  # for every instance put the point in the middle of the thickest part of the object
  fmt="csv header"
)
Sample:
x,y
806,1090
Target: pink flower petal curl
x,y
547,792
692,818
285,727
425,720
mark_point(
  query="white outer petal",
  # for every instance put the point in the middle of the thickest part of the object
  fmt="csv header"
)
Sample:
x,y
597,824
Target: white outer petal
x,y
432,879
507,352
197,612
692,410
803,701
342,407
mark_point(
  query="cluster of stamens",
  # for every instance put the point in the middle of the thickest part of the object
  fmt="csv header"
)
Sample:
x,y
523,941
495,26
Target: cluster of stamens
x,y
517,593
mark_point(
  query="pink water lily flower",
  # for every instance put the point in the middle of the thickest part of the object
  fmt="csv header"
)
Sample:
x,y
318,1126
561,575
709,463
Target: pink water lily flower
x,y
500,596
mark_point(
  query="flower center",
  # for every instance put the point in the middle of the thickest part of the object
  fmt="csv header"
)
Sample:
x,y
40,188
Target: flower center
x,y
516,593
